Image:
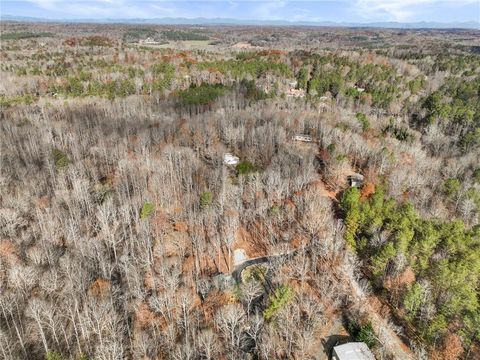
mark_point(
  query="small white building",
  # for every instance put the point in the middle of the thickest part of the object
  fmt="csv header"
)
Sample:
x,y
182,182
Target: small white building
x,y
303,138
230,159
149,41
352,351
355,180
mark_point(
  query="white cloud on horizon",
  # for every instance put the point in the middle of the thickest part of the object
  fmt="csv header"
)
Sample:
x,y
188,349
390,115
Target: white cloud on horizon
x,y
402,10
106,8
294,10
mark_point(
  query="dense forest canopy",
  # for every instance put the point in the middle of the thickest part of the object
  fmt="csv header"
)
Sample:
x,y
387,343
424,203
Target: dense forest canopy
x,y
192,198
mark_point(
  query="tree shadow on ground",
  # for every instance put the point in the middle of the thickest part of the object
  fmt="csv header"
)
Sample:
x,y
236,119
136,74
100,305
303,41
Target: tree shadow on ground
x,y
331,341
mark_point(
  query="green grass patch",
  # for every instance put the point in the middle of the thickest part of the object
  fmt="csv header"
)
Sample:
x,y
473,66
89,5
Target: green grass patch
x,y
205,199
245,167
7,101
363,120
147,209
60,158
53,355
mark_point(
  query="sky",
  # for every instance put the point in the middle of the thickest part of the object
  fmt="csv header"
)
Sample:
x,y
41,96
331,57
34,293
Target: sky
x,y
358,11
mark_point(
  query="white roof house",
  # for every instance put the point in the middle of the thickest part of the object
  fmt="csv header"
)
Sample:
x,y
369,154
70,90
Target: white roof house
x,y
303,137
149,41
352,351
230,159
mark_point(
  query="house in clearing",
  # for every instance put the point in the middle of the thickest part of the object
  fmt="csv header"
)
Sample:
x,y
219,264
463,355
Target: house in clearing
x,y
352,351
303,138
230,159
149,41
355,180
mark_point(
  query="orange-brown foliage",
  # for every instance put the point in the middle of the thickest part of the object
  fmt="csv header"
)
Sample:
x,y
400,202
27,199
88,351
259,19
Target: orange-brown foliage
x,y
207,265
43,202
145,318
212,303
100,288
367,190
149,280
8,250
97,40
405,278
70,42
451,349
379,307
181,227
251,240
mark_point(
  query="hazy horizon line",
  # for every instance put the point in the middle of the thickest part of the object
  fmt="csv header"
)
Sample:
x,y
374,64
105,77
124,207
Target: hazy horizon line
x,y
235,21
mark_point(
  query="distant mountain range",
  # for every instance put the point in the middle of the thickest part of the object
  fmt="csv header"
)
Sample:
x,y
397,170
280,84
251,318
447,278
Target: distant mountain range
x,y
228,21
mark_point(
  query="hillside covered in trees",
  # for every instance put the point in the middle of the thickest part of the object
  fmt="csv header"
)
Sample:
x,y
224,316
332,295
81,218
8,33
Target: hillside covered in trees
x,y
193,198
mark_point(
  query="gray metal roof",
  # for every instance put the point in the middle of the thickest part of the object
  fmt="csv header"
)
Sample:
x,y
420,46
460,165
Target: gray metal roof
x,y
353,351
